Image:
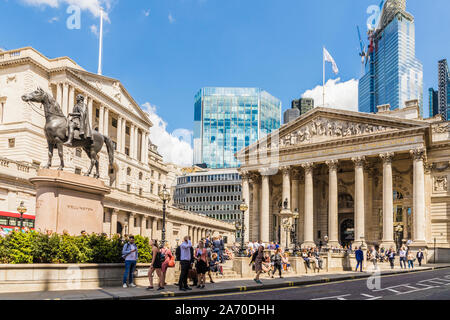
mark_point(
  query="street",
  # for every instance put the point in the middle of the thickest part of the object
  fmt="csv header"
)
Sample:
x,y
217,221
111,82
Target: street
x,y
424,285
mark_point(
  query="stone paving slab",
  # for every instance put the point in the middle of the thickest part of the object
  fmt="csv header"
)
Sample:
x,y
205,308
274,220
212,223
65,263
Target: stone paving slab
x,y
224,286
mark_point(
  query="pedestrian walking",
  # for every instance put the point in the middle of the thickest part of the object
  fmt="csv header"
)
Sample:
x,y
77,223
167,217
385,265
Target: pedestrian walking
x,y
402,255
130,255
410,260
373,257
169,261
419,257
201,256
155,266
276,259
359,255
391,256
258,258
185,263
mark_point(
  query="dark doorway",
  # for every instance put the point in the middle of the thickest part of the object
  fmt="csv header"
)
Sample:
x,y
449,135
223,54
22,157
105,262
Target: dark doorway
x,y
347,232
119,228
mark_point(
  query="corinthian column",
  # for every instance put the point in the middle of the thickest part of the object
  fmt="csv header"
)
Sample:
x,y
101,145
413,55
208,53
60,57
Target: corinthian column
x,y
419,155
101,120
286,171
265,206
246,198
333,204
359,200
65,98
294,191
388,202
254,220
309,206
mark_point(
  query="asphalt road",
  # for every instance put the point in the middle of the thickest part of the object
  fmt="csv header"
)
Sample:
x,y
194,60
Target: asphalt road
x,y
424,285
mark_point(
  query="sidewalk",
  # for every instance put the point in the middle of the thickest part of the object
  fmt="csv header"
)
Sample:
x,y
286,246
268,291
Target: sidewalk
x,y
226,286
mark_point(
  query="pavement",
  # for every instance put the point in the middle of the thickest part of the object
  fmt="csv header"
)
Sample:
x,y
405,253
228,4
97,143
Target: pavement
x,y
220,287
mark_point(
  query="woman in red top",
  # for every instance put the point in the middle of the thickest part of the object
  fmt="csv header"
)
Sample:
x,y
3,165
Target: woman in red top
x,y
168,256
201,254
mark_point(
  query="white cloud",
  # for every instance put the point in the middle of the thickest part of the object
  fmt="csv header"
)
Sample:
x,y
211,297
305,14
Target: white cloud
x,y
175,147
338,95
93,6
171,18
94,29
54,19
147,12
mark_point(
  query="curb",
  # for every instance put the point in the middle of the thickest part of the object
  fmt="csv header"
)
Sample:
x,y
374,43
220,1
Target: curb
x,y
286,284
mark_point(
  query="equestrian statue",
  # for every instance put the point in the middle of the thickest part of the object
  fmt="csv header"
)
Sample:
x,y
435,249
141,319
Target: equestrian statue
x,y
73,132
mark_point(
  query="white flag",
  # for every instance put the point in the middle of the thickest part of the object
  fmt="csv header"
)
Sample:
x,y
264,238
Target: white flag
x,y
327,57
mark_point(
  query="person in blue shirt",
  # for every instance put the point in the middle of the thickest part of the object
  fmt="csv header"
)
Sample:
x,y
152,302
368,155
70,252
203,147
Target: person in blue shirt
x,y
359,255
130,255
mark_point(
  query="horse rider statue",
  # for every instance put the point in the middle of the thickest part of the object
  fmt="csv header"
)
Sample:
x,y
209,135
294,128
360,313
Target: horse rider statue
x,y
79,120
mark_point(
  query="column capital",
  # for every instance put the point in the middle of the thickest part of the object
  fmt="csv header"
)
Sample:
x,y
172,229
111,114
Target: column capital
x,y
332,164
308,167
359,161
387,157
265,172
244,174
419,154
286,170
115,212
255,177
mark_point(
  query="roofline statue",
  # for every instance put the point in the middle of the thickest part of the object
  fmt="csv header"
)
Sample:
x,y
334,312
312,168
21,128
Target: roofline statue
x,y
60,131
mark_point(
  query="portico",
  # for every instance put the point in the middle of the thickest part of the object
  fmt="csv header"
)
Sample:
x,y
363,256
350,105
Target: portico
x,y
341,171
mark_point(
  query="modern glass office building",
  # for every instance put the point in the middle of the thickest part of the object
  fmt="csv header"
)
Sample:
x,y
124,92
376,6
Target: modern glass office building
x,y
229,119
444,89
393,74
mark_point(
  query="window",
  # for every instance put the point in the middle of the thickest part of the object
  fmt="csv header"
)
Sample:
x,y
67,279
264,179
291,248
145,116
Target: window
x,y
128,187
78,152
12,142
128,171
78,171
127,151
140,175
97,113
127,130
140,191
114,123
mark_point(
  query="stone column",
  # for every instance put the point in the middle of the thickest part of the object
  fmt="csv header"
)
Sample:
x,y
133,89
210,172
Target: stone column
x,y
199,234
154,228
101,120
142,148
264,232
131,140
65,98
59,95
143,225
91,111
295,190
72,99
286,193
124,135
106,122
359,201
254,219
309,206
246,198
419,155
333,235
131,218
119,134
388,202
135,143
114,214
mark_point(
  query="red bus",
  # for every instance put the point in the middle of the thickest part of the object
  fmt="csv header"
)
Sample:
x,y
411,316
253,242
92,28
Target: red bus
x,y
10,220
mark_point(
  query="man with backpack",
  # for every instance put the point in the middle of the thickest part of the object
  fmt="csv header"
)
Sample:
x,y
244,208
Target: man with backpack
x,y
130,255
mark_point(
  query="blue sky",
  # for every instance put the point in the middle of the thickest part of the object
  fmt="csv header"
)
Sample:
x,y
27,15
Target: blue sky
x,y
164,51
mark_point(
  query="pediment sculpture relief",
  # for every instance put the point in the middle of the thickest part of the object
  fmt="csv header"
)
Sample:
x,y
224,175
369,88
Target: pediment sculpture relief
x,y
320,129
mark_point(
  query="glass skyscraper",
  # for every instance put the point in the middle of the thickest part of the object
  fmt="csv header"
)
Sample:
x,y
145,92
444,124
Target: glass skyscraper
x,y
393,74
444,89
227,120
433,102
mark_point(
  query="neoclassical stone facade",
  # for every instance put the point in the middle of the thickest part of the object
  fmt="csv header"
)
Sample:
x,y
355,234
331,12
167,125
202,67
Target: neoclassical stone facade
x,y
373,179
133,206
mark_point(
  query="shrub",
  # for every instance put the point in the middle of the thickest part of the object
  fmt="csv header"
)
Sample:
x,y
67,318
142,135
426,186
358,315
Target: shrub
x,y
35,247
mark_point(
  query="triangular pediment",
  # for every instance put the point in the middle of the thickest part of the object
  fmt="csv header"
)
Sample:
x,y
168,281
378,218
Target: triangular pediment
x,y
113,89
323,125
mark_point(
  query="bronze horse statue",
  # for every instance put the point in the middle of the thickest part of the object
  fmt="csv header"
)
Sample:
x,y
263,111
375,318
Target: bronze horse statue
x,y
56,132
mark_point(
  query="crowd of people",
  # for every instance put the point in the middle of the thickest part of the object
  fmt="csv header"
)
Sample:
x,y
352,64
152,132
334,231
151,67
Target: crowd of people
x,y
209,254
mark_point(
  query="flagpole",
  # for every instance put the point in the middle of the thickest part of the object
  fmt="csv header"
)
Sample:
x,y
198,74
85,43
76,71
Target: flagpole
x,y
100,49
323,81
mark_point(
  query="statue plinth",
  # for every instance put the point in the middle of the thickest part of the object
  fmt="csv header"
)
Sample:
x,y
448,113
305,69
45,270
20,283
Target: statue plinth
x,y
68,202
285,213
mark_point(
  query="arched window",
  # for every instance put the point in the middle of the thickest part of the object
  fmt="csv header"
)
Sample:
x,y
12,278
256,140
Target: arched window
x,y
128,171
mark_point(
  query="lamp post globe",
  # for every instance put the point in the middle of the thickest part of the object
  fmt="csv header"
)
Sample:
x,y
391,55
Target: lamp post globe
x,y
164,195
21,209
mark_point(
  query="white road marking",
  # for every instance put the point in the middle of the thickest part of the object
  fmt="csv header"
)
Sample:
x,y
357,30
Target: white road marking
x,y
370,296
341,297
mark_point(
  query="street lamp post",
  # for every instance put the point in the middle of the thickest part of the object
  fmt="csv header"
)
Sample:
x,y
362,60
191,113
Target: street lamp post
x,y
164,195
242,207
21,209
